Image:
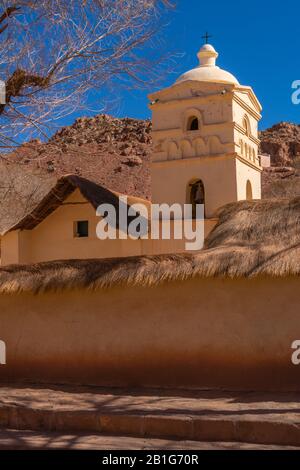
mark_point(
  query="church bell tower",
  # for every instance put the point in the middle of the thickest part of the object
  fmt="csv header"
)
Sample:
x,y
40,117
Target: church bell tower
x,y
205,136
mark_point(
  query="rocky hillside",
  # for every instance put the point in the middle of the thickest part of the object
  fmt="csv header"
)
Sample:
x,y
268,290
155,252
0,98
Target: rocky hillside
x,y
109,151
113,152
282,142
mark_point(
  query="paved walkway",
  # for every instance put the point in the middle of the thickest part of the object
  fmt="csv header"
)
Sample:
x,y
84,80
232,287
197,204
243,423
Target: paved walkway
x,y
210,403
257,418
30,440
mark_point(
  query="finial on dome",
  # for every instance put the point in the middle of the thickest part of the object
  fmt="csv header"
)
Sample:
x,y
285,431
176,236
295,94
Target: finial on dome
x,y
207,56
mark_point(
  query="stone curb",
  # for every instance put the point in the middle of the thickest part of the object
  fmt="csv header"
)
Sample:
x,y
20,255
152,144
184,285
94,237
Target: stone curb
x,y
184,427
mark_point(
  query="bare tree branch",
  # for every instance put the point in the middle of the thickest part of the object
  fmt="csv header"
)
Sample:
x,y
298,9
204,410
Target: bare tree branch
x,y
54,53
8,12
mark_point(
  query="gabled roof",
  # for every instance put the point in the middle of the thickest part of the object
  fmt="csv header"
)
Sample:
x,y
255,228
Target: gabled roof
x,y
65,186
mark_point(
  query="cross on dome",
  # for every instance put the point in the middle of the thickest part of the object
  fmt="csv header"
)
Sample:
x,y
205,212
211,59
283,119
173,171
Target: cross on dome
x,y
206,37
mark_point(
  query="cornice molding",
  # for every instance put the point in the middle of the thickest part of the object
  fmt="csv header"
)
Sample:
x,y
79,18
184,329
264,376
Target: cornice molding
x,y
206,159
246,107
191,100
248,163
188,85
192,160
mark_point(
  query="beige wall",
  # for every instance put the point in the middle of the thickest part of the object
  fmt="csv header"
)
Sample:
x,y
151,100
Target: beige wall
x,y
218,175
244,174
234,334
10,253
53,238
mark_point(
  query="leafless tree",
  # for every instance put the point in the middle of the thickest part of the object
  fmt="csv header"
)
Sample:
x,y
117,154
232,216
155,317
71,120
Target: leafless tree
x,y
55,53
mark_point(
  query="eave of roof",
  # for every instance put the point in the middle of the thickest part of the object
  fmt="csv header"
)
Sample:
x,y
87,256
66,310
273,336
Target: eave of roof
x,y
65,186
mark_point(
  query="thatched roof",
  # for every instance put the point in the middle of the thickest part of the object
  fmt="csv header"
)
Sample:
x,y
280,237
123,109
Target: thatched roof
x,y
257,238
64,187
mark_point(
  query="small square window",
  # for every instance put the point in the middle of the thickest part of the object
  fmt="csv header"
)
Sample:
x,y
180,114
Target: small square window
x,y
81,229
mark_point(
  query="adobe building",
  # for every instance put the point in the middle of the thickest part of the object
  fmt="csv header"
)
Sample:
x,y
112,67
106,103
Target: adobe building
x,y
225,317
205,152
63,226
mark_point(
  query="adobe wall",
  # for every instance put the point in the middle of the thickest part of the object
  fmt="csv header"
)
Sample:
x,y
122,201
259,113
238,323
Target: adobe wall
x,y
202,333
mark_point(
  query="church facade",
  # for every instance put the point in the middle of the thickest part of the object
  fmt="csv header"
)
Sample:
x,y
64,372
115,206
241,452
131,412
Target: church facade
x,y
205,134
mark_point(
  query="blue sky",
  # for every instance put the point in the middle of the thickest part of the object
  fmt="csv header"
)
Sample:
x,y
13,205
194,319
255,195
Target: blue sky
x,y
257,41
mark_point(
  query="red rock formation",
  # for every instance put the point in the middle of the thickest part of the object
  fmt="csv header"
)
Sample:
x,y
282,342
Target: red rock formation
x,y
282,142
113,152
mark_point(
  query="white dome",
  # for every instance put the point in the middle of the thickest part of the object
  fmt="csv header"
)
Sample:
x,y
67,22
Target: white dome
x,y
208,71
210,74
